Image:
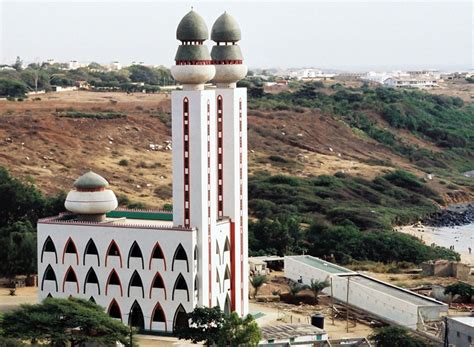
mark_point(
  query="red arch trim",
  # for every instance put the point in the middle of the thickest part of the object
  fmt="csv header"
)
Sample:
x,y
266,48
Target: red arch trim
x,y
65,276
108,280
108,250
153,251
153,281
153,313
75,248
110,306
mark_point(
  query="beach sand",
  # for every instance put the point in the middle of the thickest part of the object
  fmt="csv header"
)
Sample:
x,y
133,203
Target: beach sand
x,y
460,237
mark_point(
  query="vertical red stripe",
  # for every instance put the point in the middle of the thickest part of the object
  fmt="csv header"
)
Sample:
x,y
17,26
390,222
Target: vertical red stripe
x,y
186,149
232,264
209,199
220,158
241,210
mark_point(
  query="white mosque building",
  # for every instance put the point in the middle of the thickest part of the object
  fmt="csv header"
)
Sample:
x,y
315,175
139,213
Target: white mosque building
x,y
149,268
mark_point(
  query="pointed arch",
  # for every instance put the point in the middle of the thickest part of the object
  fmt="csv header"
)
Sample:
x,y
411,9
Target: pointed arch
x,y
227,306
157,253
113,279
113,251
91,299
49,295
70,248
227,244
227,273
70,276
218,252
136,281
135,252
114,310
91,249
136,318
49,275
48,246
180,318
218,279
180,254
158,315
180,284
91,277
157,283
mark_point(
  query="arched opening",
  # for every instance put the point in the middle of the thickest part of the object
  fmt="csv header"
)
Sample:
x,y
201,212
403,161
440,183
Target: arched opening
x,y
227,305
196,262
158,316
218,279
158,283
91,277
218,252
157,253
136,281
91,249
180,254
49,295
113,251
180,284
180,318
135,252
70,277
113,280
49,246
49,275
136,317
227,273
114,310
227,245
70,248
91,299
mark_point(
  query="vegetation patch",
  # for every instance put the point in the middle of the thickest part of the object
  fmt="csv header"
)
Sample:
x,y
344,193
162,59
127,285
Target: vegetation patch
x,y
99,115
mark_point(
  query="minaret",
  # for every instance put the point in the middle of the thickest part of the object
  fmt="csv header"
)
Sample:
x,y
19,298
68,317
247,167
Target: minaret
x,y
231,133
193,117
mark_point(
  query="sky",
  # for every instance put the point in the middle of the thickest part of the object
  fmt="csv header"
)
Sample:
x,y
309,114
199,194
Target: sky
x,y
345,35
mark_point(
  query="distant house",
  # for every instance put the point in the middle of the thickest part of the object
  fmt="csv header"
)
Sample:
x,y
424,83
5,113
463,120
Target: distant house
x,y
410,82
460,331
62,89
291,334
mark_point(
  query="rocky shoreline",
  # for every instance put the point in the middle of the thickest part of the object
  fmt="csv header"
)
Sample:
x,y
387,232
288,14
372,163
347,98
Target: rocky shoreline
x,y
456,215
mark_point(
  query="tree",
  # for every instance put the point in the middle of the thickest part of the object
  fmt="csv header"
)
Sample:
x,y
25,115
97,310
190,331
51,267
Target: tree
x,y
18,66
257,282
317,286
214,327
12,88
295,288
464,290
59,321
395,336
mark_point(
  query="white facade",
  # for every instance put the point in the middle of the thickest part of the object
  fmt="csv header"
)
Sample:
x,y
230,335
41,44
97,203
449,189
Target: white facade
x,y
148,268
381,299
395,82
460,331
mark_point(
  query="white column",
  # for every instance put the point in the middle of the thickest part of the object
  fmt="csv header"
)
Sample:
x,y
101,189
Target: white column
x,y
234,108
191,189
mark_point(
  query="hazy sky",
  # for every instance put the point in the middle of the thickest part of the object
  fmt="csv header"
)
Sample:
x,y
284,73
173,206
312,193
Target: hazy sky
x,y
342,35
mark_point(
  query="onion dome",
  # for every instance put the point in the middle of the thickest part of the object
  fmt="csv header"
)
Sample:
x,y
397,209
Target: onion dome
x,y
225,29
90,200
193,62
226,55
192,28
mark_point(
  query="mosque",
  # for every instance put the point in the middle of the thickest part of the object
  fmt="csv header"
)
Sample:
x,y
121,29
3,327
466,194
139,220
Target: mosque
x,y
149,268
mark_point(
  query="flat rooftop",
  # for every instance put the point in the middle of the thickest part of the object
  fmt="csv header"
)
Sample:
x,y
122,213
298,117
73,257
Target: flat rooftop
x,y
321,264
287,331
466,320
394,291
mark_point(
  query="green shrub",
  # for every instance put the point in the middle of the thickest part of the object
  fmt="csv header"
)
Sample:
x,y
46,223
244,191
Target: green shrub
x,y
123,162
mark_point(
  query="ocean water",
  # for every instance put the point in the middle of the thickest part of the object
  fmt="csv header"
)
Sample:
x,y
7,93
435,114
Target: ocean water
x,y
462,238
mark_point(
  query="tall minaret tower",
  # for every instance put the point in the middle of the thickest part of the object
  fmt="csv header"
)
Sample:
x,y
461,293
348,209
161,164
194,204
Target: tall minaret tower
x,y
231,169
194,144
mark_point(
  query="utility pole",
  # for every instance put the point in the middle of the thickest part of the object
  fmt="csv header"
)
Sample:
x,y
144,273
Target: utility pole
x,y
332,303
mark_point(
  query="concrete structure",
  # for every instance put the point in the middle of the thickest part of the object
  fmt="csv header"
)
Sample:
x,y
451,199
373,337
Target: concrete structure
x,y
149,268
446,268
460,331
292,335
410,82
383,300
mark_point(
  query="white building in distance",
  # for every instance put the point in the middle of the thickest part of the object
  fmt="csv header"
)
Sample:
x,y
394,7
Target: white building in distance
x,y
149,268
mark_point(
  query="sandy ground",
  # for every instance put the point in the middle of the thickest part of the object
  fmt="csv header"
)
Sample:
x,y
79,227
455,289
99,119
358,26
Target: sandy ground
x,y
25,295
460,237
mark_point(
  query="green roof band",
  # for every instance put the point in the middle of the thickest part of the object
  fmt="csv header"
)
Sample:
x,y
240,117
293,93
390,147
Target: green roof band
x,y
231,52
192,53
192,28
226,29
148,215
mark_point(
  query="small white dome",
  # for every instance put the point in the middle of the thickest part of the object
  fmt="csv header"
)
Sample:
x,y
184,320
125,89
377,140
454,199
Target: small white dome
x,y
227,75
193,76
95,203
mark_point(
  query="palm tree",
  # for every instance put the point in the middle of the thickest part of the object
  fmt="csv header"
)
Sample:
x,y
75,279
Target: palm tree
x,y
317,286
295,288
257,281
